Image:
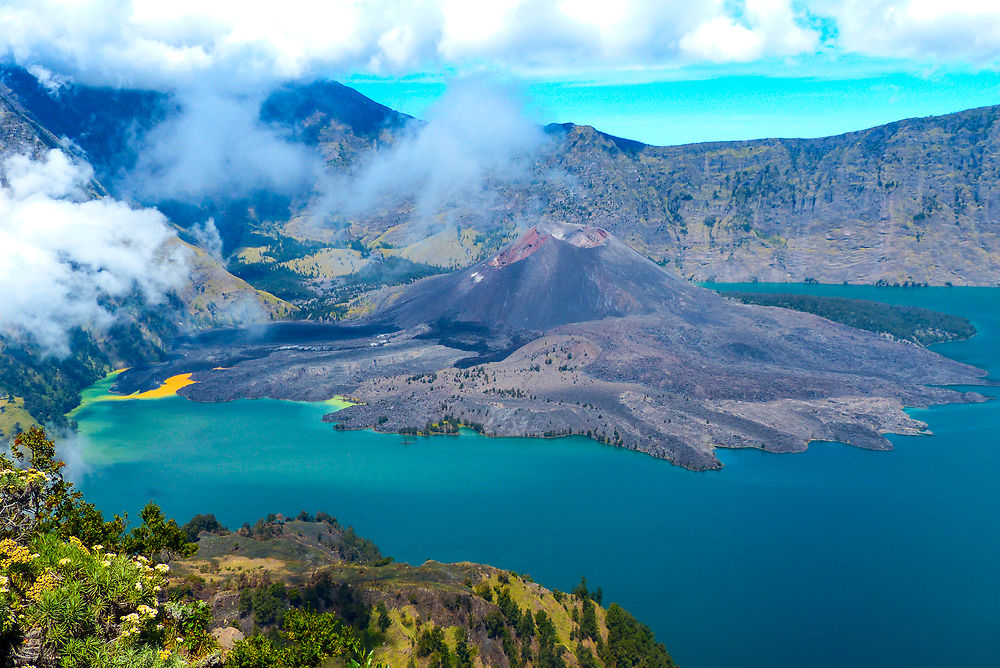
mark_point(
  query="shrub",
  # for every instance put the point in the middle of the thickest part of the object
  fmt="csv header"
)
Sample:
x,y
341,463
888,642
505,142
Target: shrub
x,y
306,639
207,523
63,602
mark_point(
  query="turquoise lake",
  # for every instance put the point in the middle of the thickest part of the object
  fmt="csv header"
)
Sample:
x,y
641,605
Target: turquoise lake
x,y
830,558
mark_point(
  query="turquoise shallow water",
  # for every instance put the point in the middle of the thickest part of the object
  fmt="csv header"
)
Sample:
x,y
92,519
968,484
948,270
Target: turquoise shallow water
x,y
834,557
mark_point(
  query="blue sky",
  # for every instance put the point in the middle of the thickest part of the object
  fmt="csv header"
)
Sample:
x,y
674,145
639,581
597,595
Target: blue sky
x,y
726,106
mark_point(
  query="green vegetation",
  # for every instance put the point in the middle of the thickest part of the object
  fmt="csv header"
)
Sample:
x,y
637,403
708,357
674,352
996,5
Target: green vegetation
x,y
273,272
305,639
207,523
387,271
907,323
77,590
631,643
51,386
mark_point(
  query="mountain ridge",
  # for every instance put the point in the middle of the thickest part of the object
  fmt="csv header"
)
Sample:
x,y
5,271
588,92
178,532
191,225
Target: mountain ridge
x,y
912,201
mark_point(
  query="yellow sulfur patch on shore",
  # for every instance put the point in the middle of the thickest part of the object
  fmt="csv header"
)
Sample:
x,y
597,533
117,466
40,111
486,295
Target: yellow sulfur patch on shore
x,y
336,403
101,391
167,389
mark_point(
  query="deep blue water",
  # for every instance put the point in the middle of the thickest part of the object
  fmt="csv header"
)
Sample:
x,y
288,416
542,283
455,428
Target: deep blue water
x,y
830,558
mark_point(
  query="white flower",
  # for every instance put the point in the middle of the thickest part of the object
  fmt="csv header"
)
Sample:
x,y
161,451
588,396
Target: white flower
x,y
64,561
138,586
98,547
105,563
163,568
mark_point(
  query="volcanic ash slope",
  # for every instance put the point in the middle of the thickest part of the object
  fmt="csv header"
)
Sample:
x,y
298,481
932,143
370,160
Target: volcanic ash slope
x,y
589,337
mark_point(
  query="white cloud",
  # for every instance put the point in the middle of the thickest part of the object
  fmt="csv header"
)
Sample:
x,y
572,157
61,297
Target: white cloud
x,y
64,258
476,140
51,81
722,40
958,30
217,145
238,43
206,236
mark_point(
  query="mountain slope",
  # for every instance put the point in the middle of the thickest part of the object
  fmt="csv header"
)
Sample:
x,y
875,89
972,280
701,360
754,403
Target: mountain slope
x,y
19,132
527,287
914,200
569,331
42,388
318,107
106,124
251,577
911,201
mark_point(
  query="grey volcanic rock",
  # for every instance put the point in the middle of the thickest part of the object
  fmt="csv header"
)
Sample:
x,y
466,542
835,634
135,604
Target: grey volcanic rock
x,y
548,277
606,344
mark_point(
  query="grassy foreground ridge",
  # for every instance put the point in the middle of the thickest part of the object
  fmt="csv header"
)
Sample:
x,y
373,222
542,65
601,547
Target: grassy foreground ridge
x,y
79,591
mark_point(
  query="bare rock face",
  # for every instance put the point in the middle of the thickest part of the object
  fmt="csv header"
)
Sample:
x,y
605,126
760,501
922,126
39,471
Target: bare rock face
x,y
227,637
19,133
570,331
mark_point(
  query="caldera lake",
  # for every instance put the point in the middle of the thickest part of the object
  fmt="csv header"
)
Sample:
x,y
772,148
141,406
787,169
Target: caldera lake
x,y
829,558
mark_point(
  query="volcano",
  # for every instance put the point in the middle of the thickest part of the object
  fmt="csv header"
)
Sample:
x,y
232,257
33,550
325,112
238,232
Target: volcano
x,y
550,276
570,331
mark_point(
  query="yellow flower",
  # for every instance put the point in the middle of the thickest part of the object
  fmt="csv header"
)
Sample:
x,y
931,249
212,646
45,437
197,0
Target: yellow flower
x,y
47,580
15,553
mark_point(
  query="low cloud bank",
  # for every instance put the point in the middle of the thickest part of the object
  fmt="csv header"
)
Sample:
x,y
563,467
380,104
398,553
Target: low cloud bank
x,y
476,141
217,145
66,258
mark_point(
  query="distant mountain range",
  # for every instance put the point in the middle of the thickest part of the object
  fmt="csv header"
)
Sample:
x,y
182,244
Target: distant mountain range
x,y
916,201
910,202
